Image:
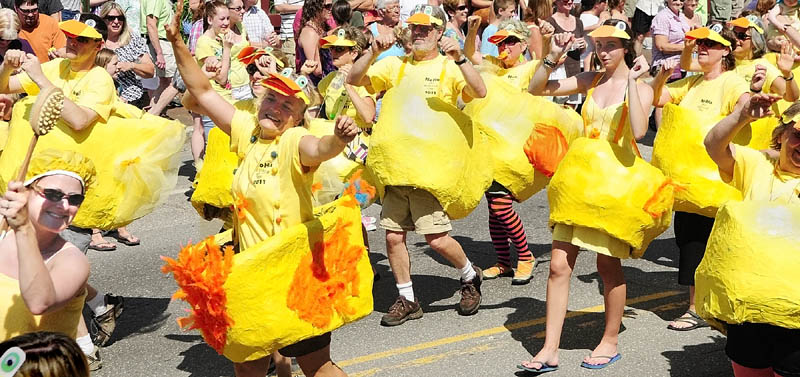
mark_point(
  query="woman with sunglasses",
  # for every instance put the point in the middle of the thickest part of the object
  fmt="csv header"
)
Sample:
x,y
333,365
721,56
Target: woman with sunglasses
x,y
616,109
42,276
716,91
505,226
760,342
457,12
275,136
315,14
131,50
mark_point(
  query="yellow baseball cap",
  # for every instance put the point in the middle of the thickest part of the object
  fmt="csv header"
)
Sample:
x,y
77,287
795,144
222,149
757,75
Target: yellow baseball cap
x,y
423,15
337,39
708,33
75,28
286,86
606,31
747,22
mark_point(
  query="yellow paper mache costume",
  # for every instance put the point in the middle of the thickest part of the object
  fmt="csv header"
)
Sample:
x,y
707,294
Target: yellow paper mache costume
x,y
679,151
749,271
508,117
307,280
215,178
625,198
430,144
135,154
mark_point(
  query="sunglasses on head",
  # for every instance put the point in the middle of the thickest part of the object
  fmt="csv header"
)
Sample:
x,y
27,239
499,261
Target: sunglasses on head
x,y
328,6
56,196
708,43
29,11
119,18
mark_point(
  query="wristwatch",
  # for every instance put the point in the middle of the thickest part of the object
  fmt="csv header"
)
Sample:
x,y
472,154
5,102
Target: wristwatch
x,y
462,60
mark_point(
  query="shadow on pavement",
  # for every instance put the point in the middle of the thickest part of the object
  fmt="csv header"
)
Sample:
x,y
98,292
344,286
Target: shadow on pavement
x,y
142,315
707,359
200,360
662,252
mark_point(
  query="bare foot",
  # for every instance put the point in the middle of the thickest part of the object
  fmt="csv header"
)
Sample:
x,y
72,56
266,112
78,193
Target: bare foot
x,y
601,354
540,359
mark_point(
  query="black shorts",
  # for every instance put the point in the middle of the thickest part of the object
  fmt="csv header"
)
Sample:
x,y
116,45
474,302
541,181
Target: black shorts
x,y
304,347
759,346
641,22
691,235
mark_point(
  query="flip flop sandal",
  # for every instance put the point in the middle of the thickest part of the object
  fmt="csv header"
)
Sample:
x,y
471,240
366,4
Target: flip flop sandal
x,y
693,319
103,246
126,241
611,360
543,369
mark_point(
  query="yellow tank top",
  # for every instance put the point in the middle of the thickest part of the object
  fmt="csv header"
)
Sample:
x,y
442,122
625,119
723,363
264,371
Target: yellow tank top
x,y
610,123
19,320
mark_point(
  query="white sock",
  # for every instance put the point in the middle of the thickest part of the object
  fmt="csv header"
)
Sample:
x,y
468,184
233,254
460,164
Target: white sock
x,y
467,272
85,342
98,304
406,290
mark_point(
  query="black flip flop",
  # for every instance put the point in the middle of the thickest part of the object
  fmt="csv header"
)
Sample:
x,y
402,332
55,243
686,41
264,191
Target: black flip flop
x,y
125,241
693,319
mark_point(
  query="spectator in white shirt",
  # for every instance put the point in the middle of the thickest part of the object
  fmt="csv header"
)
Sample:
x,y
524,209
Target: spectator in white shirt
x,y
288,9
259,28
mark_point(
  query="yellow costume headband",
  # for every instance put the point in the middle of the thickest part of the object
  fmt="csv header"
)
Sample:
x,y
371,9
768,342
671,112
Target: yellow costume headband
x,y
610,31
57,162
708,33
75,28
747,22
287,87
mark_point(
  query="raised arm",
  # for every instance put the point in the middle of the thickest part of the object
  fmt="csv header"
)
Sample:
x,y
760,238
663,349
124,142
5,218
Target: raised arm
x,y
11,62
786,86
541,85
197,84
358,74
475,87
688,63
470,50
661,95
640,98
314,151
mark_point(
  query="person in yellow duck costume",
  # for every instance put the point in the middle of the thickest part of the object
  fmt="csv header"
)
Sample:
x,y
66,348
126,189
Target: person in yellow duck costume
x,y
749,53
419,122
515,179
42,276
679,152
746,284
615,115
135,154
272,185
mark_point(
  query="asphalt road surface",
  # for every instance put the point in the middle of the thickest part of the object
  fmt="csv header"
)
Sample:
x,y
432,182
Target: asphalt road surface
x,y
508,329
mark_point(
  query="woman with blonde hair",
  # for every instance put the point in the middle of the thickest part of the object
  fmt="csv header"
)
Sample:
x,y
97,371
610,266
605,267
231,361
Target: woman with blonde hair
x,y
131,50
9,38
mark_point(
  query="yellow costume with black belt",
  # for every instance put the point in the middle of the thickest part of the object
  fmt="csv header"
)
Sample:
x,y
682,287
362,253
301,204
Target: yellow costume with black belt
x,y
135,153
301,272
604,197
749,268
421,139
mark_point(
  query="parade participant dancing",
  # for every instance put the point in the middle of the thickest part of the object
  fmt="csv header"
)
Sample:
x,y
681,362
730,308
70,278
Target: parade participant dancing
x,y
43,276
408,208
716,91
267,140
615,110
750,296
504,224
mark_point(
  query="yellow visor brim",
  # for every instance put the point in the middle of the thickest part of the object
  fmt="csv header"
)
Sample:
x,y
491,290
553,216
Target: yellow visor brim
x,y
608,31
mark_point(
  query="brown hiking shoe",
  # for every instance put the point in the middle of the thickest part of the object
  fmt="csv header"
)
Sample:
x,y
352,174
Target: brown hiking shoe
x,y
401,311
103,325
471,294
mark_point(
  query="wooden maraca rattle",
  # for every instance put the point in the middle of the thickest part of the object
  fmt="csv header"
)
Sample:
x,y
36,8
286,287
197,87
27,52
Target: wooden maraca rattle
x,y
45,112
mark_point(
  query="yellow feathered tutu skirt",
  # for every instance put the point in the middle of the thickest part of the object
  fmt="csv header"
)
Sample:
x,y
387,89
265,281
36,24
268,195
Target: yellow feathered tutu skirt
x,y
606,199
431,145
305,281
136,156
750,269
509,117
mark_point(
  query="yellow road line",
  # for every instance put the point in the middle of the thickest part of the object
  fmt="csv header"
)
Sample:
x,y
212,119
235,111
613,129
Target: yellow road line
x,y
494,330
429,359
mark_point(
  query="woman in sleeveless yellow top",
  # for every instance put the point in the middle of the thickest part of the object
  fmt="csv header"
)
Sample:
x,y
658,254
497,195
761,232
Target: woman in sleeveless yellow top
x,y
42,276
616,110
272,185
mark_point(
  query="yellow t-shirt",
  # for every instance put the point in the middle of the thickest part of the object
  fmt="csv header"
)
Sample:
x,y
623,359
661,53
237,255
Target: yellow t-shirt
x,y
330,94
93,89
271,188
237,75
746,69
427,75
518,76
759,178
711,97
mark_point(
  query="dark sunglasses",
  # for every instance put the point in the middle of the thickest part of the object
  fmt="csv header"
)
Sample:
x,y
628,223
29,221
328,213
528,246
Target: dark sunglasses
x,y
509,41
742,35
328,6
29,11
251,69
708,43
83,40
340,49
462,7
119,18
237,9
56,196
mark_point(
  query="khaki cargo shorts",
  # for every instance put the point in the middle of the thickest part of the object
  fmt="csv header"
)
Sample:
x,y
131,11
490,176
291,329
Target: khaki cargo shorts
x,y
407,208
